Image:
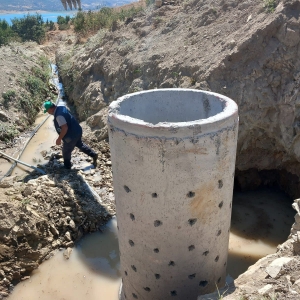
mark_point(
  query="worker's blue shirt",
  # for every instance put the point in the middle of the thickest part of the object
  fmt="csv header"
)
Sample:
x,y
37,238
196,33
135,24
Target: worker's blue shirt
x,y
74,129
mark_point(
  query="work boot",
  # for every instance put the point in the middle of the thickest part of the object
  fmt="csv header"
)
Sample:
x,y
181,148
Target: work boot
x,y
67,164
95,157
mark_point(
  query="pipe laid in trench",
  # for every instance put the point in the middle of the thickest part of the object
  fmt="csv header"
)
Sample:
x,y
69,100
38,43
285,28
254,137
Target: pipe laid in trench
x,y
24,147
22,163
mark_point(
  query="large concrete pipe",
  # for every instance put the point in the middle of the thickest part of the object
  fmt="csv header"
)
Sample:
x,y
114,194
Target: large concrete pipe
x,y
173,157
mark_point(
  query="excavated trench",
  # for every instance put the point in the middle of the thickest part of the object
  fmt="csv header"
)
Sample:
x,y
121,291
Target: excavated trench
x,y
261,219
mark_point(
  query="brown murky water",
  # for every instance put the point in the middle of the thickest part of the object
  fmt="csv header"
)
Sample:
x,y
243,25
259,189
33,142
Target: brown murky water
x,y
90,273
4,166
260,221
42,140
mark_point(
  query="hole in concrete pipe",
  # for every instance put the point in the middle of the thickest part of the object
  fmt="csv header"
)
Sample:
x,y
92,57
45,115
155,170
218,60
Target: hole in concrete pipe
x,y
147,289
127,189
192,276
219,279
157,223
220,183
126,273
173,293
203,283
192,221
205,253
219,232
154,195
172,263
132,217
217,258
134,296
131,243
221,204
156,250
133,268
190,194
191,248
157,276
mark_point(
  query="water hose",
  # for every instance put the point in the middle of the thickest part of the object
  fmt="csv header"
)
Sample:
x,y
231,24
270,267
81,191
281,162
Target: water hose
x,y
22,163
8,173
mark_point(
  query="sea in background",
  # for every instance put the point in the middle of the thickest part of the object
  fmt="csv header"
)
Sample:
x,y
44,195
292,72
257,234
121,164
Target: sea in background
x,y
46,15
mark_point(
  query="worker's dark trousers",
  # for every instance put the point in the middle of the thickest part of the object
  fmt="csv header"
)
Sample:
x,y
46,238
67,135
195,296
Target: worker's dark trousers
x,y
68,147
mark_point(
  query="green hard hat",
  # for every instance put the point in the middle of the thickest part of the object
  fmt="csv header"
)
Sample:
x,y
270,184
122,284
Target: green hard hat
x,y
48,104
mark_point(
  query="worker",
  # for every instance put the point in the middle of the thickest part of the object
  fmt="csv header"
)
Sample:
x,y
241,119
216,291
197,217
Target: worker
x,y
69,131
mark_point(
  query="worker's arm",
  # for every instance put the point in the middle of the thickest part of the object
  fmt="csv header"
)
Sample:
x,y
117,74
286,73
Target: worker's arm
x,y
63,132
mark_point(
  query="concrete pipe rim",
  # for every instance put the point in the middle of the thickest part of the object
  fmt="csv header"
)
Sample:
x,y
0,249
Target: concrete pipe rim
x,y
227,117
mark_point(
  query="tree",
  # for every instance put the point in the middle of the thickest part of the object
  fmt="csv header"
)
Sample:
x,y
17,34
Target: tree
x,y
63,23
6,33
51,25
79,21
29,28
60,20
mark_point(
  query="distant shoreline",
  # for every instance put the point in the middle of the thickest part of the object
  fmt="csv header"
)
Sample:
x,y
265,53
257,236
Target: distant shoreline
x,y
7,12
46,15
69,11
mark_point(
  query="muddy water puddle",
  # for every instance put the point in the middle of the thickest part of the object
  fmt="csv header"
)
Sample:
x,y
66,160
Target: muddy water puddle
x,y
5,166
92,272
260,221
41,141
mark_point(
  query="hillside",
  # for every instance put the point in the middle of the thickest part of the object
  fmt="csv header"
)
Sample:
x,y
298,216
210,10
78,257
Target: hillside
x,y
57,5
